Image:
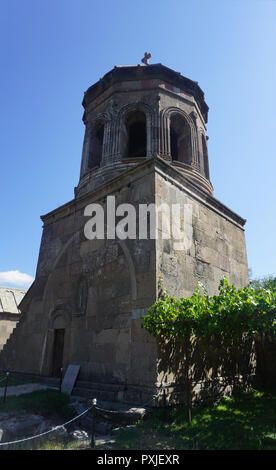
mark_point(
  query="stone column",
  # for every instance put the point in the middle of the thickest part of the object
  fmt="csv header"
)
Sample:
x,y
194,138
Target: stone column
x,y
164,138
195,142
115,129
86,149
206,157
149,127
106,144
200,152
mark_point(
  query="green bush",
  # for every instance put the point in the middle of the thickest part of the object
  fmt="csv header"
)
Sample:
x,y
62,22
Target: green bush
x,y
230,314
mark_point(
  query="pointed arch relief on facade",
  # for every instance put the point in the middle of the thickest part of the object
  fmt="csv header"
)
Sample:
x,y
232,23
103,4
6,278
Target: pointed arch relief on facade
x,y
81,296
76,239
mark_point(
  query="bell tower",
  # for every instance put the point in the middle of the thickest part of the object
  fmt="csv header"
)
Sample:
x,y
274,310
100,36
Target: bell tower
x,y
136,112
145,145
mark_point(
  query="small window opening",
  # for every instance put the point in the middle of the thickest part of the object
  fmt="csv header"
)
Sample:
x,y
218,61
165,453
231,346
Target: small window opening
x,y
96,146
180,138
137,135
205,158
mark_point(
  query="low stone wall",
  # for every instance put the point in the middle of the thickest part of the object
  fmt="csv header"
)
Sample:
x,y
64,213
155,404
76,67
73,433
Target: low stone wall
x,y
216,369
265,370
10,298
8,322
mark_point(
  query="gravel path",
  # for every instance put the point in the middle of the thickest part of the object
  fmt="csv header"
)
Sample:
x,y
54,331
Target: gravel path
x,y
21,389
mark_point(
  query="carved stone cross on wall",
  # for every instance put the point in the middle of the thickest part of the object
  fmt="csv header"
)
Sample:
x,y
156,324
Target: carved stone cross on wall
x,y
146,57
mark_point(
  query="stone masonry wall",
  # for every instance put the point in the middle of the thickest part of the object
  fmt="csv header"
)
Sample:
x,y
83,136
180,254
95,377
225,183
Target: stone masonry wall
x,y
98,290
217,245
116,280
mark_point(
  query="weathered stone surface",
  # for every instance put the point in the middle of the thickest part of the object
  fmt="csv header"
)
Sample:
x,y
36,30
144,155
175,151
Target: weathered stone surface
x,y
69,379
108,415
25,425
80,434
93,293
10,299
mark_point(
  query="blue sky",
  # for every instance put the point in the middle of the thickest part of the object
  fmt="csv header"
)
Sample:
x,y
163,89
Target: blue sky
x,y
53,50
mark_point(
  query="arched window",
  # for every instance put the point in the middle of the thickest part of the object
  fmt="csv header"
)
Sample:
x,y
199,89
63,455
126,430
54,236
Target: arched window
x,y
205,158
96,151
136,134
81,296
180,138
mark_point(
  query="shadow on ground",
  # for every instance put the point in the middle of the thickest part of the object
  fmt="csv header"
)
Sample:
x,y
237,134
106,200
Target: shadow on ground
x,y
247,421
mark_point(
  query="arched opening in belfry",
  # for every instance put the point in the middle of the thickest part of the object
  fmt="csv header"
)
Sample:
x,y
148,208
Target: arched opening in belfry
x,y
136,128
180,139
205,157
96,146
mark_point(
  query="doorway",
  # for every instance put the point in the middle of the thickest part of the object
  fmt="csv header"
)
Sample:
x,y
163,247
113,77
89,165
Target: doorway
x,y
58,351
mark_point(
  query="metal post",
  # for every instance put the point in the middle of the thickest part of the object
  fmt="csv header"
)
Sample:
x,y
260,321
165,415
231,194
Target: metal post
x,y
60,382
164,400
6,386
93,414
188,391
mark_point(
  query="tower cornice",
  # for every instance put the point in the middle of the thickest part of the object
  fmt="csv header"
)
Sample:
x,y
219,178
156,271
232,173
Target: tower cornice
x,y
147,72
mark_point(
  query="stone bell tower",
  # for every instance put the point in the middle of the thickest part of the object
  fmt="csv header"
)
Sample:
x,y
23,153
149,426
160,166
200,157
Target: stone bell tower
x,y
145,143
136,112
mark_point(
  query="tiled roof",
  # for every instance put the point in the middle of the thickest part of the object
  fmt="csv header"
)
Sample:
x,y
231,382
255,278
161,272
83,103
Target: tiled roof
x,y
10,298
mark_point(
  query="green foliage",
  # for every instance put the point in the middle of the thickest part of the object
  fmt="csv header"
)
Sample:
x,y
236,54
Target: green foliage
x,y
246,422
231,313
14,381
45,402
268,282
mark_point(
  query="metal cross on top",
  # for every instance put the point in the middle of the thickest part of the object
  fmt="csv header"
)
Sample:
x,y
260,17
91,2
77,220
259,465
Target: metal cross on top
x,y
146,57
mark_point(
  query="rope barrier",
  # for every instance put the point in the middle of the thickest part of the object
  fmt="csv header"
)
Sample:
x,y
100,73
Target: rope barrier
x,y
104,410
108,411
68,422
46,432
154,396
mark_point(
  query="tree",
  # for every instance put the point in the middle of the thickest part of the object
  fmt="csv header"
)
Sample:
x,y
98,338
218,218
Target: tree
x,y
229,315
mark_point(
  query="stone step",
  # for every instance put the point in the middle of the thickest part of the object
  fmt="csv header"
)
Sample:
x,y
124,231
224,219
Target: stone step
x,y
109,415
51,381
105,395
88,390
97,385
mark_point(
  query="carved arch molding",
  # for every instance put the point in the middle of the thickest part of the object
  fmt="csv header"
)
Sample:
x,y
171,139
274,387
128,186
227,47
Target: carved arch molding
x,y
157,128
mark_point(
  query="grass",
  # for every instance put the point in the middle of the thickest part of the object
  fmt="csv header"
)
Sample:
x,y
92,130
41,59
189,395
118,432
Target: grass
x,y
44,402
48,403
14,381
247,422
56,443
63,444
